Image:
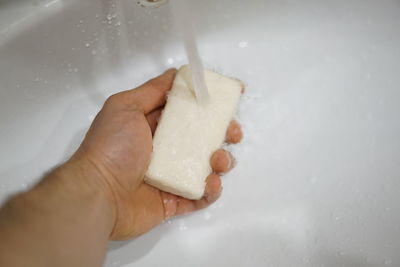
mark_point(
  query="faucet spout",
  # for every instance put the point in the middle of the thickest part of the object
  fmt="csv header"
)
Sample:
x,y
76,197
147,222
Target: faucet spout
x,y
151,3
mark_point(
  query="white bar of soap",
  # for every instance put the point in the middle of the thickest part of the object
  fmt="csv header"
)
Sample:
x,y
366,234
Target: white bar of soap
x,y
189,133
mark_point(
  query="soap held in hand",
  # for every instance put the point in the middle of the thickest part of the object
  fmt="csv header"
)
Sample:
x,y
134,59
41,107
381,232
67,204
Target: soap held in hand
x,y
189,133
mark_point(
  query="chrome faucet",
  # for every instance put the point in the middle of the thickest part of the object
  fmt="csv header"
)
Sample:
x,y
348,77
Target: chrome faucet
x,y
151,3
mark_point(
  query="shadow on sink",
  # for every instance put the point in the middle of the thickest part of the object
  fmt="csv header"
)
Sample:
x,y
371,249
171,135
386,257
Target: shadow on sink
x,y
265,243
125,252
26,174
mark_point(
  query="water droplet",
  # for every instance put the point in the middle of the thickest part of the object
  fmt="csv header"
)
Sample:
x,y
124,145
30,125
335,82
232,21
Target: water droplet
x,y
207,215
243,44
87,44
116,263
182,226
109,17
170,61
76,69
226,16
285,48
387,262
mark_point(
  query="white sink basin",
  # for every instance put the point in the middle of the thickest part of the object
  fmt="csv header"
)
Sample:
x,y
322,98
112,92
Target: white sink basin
x,y
318,175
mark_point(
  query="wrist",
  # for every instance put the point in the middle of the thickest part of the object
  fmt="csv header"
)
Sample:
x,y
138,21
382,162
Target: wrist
x,y
69,210
80,181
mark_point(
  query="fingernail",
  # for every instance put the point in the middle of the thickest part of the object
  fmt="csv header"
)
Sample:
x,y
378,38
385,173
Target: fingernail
x,y
209,198
213,197
243,88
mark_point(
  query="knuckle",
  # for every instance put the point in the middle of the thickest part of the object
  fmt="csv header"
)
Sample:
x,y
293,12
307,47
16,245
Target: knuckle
x,y
122,100
113,99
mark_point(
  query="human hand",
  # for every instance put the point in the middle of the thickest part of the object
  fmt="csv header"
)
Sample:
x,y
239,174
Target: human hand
x,y
118,147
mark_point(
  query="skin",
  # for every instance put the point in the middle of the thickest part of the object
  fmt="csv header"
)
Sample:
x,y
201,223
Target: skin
x,y
99,194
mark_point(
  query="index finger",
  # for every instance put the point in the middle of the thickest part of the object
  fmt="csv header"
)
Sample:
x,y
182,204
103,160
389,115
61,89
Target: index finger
x,y
152,94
